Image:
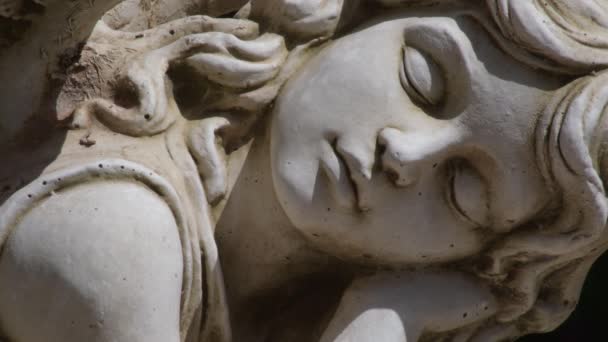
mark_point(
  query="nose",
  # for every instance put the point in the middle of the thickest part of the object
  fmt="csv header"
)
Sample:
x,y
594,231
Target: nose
x,y
406,154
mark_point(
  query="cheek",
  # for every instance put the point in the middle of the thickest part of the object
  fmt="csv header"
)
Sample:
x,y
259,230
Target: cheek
x,y
518,191
506,138
406,225
416,223
330,101
351,85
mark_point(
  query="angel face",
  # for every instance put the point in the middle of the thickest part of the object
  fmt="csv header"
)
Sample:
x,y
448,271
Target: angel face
x,y
409,141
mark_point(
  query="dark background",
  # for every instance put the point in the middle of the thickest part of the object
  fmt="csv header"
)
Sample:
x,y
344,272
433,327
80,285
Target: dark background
x,y
589,322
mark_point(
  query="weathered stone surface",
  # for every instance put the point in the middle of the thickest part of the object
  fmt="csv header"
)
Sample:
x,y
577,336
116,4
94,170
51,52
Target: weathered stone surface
x,y
299,170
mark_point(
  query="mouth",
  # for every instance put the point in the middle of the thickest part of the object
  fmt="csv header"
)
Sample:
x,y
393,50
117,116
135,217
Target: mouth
x,y
346,180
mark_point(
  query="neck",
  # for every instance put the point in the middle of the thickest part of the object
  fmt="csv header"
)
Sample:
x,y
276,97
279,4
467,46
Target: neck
x,y
262,254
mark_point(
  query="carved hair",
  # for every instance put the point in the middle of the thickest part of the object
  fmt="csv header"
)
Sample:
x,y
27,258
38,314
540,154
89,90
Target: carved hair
x,y
539,265
572,35
230,53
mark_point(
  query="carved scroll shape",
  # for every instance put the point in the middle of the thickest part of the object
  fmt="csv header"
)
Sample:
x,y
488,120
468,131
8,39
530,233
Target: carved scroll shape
x,y
210,158
225,58
572,33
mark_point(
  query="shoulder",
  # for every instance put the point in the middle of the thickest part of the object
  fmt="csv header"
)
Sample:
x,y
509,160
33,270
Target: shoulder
x,y
92,239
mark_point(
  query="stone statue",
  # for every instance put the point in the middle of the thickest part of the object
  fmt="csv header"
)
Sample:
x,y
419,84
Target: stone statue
x,y
299,170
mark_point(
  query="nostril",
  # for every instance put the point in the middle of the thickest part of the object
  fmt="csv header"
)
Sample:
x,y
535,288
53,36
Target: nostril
x,y
380,150
407,153
399,172
392,176
396,160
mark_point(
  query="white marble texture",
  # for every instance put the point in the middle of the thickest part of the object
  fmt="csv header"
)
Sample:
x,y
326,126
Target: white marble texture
x,y
299,170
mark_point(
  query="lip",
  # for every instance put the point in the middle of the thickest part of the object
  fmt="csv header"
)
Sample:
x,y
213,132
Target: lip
x,y
343,189
354,183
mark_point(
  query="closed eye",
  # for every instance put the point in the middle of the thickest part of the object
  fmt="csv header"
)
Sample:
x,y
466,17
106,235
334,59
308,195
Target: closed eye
x,y
467,192
421,77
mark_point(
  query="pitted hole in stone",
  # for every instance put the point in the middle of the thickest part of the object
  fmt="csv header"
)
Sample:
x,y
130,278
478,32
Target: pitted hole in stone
x,y
126,94
100,166
29,195
147,116
228,15
392,176
44,183
464,315
172,32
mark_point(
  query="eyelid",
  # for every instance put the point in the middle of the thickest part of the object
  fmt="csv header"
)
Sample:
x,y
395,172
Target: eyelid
x,y
406,83
421,77
450,50
467,193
